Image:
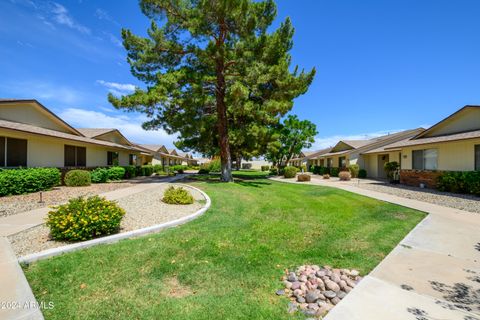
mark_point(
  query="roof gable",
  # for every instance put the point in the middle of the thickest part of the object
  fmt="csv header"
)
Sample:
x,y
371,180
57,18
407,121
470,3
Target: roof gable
x,y
464,120
33,113
113,135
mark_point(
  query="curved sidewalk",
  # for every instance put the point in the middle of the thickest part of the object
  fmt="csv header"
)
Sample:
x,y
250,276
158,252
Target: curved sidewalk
x,y
432,274
16,298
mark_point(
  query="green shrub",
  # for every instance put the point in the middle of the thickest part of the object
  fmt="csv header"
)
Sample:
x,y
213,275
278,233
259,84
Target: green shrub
x,y
203,171
334,172
390,168
99,175
354,170
78,178
179,168
130,172
147,170
177,196
215,165
116,173
273,171
20,181
157,168
83,219
460,182
265,168
290,172
362,173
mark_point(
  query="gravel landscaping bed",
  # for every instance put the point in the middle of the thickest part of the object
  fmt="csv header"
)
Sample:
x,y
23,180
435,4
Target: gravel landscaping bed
x,y
25,202
458,201
315,290
143,209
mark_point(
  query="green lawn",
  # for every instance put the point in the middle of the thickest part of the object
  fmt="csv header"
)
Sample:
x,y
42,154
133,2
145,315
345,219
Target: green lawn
x,y
227,263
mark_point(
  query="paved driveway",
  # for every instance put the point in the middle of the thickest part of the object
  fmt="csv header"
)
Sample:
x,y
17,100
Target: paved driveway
x,y
433,274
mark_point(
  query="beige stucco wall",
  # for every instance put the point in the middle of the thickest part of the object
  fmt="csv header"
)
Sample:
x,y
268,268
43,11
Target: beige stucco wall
x,y
29,114
452,156
467,120
370,162
49,152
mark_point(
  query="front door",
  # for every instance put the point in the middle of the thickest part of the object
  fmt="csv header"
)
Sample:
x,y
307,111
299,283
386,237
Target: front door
x,y
382,159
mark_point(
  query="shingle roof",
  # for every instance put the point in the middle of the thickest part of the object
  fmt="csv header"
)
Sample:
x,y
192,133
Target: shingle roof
x,y
58,134
451,137
357,143
94,132
151,147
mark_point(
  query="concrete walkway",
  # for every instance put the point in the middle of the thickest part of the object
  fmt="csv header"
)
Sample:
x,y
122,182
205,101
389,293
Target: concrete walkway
x,y
433,274
16,298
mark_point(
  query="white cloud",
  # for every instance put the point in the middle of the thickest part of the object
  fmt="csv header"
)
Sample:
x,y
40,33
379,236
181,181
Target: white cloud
x,y
116,88
325,142
43,90
104,15
61,16
129,124
113,39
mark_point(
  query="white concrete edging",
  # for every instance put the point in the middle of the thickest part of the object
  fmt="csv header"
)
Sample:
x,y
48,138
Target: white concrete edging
x,y
117,237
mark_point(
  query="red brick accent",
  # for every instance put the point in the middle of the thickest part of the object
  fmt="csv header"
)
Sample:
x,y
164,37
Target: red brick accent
x,y
415,177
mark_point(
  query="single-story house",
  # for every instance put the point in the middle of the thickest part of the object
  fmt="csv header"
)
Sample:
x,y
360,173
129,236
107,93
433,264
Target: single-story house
x,y
33,136
161,155
347,152
453,144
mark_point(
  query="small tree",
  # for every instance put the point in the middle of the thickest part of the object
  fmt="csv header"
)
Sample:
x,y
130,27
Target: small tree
x,y
390,169
293,136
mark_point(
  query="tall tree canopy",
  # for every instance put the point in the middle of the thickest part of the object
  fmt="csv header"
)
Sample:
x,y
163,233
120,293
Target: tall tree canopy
x,y
292,136
211,70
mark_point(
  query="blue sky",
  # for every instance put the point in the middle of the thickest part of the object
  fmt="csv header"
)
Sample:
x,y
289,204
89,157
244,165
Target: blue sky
x,y
381,65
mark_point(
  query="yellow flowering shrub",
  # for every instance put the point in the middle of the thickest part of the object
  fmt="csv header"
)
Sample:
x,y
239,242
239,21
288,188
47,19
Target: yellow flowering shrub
x,y
177,196
84,219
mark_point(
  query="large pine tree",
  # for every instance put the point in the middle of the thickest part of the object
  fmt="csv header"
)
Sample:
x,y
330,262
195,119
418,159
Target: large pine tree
x,y
209,64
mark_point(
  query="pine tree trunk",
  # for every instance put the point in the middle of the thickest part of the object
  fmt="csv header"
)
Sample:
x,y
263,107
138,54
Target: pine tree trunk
x,y
239,162
222,124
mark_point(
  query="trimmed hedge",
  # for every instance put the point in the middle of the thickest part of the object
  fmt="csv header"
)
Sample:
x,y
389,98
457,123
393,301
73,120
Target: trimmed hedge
x,y
99,175
146,170
20,181
84,219
460,182
362,173
290,172
130,172
334,172
78,178
116,173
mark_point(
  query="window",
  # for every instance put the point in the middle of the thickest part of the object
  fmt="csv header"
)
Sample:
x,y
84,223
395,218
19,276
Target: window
x,y
477,157
2,151
329,162
13,152
132,159
322,162
112,158
342,162
425,159
75,156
